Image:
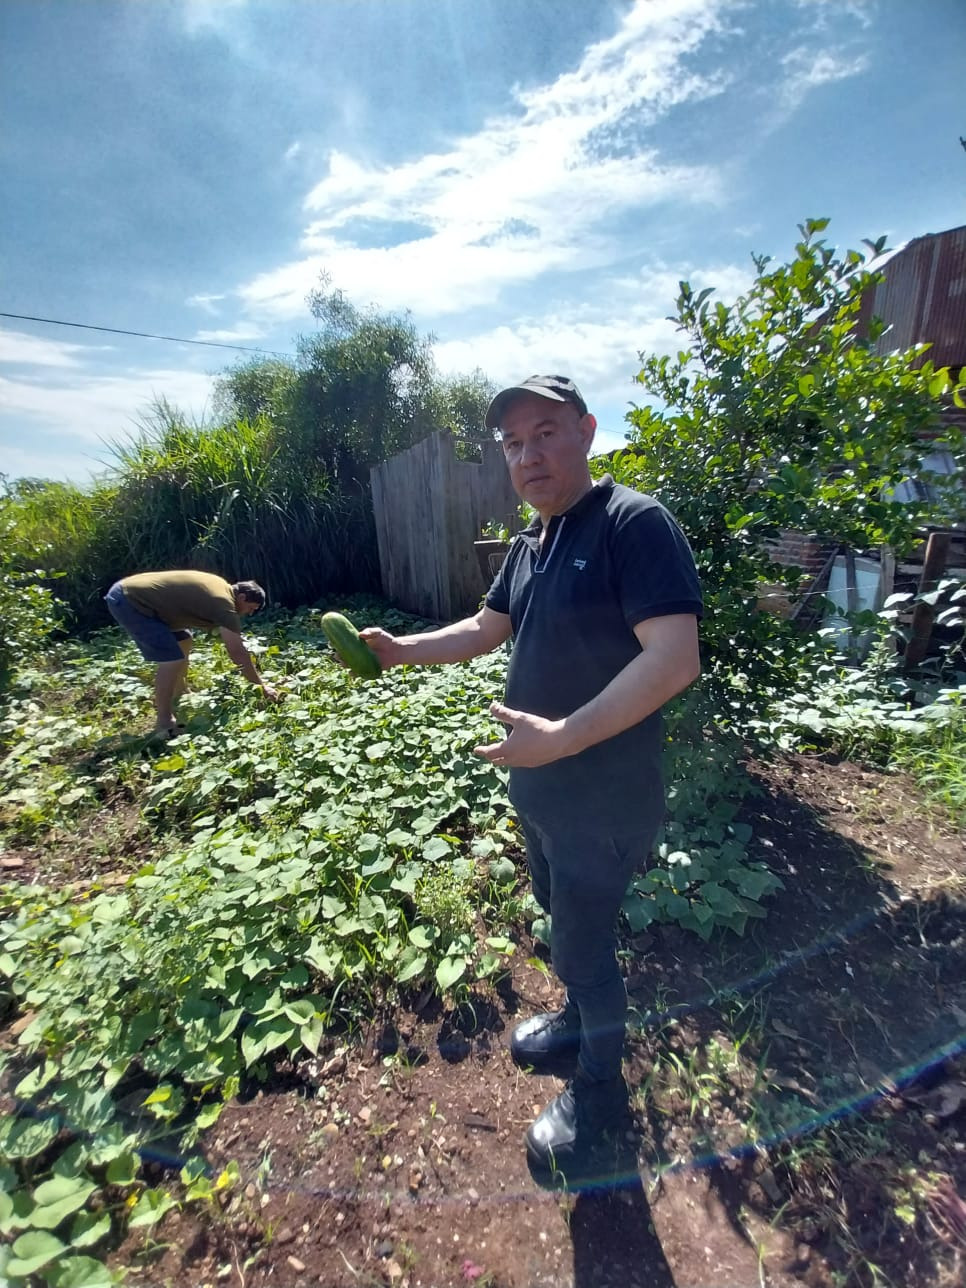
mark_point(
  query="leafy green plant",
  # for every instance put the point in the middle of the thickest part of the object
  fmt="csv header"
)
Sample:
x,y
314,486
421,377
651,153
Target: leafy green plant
x,y
445,898
702,878
497,530
29,613
494,530
877,713
303,864
762,425
938,758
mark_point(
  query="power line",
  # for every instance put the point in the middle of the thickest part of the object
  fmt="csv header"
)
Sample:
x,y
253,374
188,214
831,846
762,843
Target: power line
x,y
146,335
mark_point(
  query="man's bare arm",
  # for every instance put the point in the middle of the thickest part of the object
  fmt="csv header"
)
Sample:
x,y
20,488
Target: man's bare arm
x,y
669,662
458,642
239,654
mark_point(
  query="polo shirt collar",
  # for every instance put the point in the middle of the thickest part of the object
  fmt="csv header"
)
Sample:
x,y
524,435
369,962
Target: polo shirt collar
x,y
594,496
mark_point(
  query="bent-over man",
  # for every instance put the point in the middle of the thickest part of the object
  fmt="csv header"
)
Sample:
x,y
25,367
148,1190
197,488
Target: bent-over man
x,y
159,610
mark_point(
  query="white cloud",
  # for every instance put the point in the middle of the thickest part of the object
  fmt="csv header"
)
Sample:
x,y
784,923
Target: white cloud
x,y
826,11
600,348
808,69
210,15
529,193
206,302
600,355
38,461
228,335
66,397
292,151
95,409
58,420
17,347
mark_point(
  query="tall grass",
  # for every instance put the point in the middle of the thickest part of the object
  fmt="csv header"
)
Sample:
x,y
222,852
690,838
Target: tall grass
x,y
67,530
29,613
937,760
220,498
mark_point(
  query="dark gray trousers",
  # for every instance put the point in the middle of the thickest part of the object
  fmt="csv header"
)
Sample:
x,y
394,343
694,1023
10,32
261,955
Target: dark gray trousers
x,y
580,879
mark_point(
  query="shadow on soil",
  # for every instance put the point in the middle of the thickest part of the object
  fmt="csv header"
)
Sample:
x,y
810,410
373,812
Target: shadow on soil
x,y
854,979
614,1242
851,992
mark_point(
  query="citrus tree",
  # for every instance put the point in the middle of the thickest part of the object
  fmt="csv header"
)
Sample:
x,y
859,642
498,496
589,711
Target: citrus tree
x,y
781,411
785,411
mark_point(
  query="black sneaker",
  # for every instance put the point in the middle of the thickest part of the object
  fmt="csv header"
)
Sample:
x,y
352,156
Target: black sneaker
x,y
579,1139
548,1043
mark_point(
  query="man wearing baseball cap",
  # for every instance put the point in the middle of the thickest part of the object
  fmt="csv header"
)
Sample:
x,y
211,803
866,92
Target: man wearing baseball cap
x,y
601,597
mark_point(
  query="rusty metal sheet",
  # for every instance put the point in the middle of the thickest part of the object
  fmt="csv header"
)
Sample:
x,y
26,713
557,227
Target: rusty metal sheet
x,y
923,297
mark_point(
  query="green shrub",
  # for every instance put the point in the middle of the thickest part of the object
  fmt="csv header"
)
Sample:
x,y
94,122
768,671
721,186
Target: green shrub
x,y
778,413
184,496
28,610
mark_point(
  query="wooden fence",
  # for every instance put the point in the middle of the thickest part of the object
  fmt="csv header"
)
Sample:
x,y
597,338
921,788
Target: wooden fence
x,y
429,509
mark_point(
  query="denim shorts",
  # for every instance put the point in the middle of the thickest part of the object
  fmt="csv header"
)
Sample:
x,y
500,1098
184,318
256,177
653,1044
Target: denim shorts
x,y
156,640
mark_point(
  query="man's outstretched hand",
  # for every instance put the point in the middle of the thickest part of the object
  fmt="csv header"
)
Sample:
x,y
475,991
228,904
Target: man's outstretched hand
x,y
385,646
531,740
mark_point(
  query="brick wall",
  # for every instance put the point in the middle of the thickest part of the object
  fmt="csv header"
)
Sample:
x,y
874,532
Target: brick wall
x,y
801,550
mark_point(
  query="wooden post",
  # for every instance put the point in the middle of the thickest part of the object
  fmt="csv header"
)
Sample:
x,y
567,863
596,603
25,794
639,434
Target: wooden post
x,y
933,566
851,594
887,583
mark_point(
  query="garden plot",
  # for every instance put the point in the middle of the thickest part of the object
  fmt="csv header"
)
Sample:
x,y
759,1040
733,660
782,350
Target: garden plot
x,y
260,981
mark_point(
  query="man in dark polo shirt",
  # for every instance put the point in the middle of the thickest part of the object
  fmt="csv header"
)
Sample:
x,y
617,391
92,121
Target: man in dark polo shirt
x,y
159,610
601,597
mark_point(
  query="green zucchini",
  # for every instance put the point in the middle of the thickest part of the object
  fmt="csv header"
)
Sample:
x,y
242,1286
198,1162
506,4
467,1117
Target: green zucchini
x,y
350,646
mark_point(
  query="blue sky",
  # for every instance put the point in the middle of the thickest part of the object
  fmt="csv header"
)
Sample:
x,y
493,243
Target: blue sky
x,y
530,178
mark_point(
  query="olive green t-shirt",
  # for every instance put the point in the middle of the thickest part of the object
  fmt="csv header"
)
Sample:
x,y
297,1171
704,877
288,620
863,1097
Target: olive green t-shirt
x,y
184,600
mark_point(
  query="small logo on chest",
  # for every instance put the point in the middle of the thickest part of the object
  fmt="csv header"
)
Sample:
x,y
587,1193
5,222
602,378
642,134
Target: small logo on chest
x,y
580,564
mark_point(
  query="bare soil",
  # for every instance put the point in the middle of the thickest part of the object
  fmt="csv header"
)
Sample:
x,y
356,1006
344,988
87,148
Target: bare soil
x,y
799,1100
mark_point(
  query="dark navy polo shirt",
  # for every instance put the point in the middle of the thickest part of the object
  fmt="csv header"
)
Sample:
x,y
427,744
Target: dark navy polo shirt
x,y
613,560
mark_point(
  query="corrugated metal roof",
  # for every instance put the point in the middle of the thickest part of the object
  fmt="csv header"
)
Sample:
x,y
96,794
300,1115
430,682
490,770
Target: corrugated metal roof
x,y
923,297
